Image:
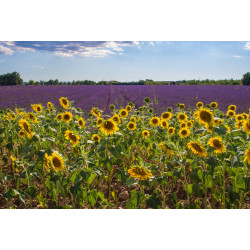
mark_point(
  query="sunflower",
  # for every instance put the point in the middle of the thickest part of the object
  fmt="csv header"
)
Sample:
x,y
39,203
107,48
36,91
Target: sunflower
x,y
231,113
196,114
145,133
217,143
99,121
199,105
116,119
81,122
131,126
64,102
96,138
47,162
13,161
189,124
109,127
21,133
26,127
182,117
155,121
165,148
182,106
184,132
132,119
140,173
247,156
246,126
73,138
166,115
218,122
214,105
67,116
59,117
196,148
232,107
209,127
33,106
228,128
95,112
171,130
239,117
128,108
39,109
57,161
11,116
239,124
123,113
31,116
49,105
183,125
205,116
245,115
164,124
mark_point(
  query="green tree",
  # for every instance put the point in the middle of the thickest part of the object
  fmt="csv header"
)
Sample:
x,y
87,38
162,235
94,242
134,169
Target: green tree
x,y
246,79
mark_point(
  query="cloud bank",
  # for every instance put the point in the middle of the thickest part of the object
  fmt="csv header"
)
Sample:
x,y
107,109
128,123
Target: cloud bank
x,y
68,49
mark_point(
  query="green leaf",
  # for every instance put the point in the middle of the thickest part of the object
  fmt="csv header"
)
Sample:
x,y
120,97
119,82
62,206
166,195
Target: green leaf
x,y
154,201
190,188
240,181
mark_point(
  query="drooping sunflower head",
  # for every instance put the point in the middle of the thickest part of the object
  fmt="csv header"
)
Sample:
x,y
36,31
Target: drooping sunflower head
x,y
108,127
247,156
96,138
99,121
217,143
31,116
39,109
21,134
199,105
12,116
213,105
57,161
67,116
64,102
171,130
183,125
47,162
239,118
231,113
73,138
128,108
145,133
182,117
49,105
116,119
165,148
182,106
59,117
81,122
133,119
166,115
33,106
95,112
184,132
139,172
26,127
228,128
123,113
197,148
232,107
205,116
131,126
245,115
239,124
155,121
246,126
164,124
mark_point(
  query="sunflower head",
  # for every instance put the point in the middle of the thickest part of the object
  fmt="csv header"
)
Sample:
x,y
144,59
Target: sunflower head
x,y
140,173
239,124
133,119
57,161
59,117
116,119
147,100
21,134
189,124
197,148
67,116
96,138
182,117
112,107
199,105
64,102
166,116
239,118
232,107
99,121
95,112
218,122
231,113
155,121
145,133
39,109
131,126
33,106
183,125
128,108
123,113
31,116
182,106
171,130
81,122
246,126
205,116
108,127
245,115
213,105
184,132
164,124
26,127
217,143
73,138
47,162
49,105
165,148
247,156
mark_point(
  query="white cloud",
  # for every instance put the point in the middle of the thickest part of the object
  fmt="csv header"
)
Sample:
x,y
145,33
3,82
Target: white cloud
x,y
247,46
151,43
39,67
236,56
6,50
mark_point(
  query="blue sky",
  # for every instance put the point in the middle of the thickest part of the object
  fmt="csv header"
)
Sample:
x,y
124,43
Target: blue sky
x,y
125,61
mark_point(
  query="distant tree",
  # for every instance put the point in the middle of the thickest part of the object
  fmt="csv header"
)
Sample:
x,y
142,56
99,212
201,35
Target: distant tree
x,y
31,82
11,79
246,79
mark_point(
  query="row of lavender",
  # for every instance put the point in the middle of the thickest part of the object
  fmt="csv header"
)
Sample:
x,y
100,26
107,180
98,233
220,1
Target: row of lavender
x,y
102,96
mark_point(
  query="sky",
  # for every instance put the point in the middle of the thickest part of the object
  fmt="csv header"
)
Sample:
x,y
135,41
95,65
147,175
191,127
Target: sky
x,y
125,60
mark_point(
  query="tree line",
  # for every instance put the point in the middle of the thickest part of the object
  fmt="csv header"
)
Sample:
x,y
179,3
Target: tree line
x,y
15,79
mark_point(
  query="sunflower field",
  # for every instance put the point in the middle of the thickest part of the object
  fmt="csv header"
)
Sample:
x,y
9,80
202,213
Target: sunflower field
x,y
129,158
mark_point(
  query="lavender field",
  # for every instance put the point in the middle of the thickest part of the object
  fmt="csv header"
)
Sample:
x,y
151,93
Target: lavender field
x,y
85,97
